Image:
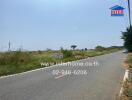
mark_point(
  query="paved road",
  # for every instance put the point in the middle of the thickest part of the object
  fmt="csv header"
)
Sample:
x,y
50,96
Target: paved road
x,y
101,81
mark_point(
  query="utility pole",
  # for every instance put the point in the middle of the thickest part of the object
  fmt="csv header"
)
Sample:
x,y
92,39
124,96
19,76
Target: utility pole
x,y
9,46
129,11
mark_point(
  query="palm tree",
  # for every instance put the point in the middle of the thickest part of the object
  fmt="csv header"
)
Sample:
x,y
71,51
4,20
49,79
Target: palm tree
x,y
73,46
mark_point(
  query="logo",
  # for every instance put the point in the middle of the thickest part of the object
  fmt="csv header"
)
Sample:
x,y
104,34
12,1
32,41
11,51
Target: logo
x,y
117,11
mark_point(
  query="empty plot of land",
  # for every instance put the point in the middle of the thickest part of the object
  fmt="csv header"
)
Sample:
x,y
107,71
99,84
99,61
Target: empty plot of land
x,y
101,82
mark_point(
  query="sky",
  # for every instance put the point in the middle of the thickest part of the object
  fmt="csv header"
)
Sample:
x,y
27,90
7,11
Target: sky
x,y
42,24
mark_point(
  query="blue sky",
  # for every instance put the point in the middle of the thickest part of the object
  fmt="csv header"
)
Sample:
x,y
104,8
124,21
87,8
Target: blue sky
x,y
42,24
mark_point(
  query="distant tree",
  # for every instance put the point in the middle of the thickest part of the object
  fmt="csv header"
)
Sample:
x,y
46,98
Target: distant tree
x,y
73,46
48,49
85,49
127,37
100,48
82,49
115,47
39,52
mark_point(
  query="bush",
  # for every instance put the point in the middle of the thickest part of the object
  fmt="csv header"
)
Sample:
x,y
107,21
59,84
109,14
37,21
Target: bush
x,y
100,48
127,37
66,53
14,58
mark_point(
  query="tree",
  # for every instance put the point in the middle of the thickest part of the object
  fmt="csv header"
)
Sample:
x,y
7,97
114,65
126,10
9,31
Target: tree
x,y
127,37
73,46
99,48
85,49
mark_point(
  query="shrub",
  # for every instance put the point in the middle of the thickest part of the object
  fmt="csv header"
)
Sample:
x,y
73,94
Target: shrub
x,y
16,57
66,53
39,52
100,48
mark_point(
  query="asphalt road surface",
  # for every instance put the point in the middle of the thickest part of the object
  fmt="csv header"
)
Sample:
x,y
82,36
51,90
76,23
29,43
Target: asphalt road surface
x,y
97,78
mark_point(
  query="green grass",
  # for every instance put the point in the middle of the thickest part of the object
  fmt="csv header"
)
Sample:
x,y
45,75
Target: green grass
x,y
17,62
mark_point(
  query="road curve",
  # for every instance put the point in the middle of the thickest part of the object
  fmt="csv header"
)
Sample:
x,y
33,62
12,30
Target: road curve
x,y
100,82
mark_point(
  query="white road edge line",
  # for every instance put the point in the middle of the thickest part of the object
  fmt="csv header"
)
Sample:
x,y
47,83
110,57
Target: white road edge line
x,y
124,79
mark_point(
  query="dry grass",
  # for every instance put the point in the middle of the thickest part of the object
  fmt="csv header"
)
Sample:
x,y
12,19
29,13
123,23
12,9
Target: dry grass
x,y
127,85
128,61
17,62
127,90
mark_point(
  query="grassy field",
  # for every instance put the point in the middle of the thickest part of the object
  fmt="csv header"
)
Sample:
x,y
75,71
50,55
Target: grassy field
x,y
18,61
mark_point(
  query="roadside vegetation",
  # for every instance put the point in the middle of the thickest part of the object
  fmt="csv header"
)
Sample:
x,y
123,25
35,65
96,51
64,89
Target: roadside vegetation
x,y
20,61
127,90
127,85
